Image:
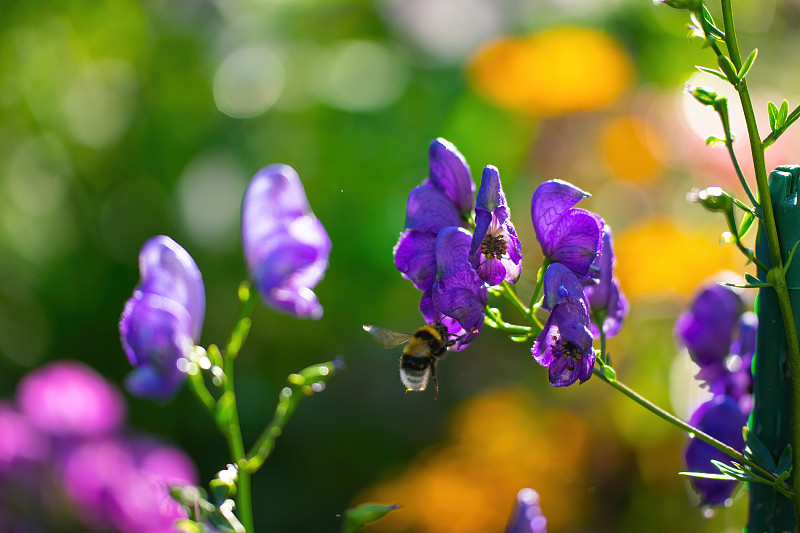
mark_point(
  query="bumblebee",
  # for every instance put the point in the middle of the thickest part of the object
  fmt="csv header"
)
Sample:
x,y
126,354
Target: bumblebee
x,y
424,349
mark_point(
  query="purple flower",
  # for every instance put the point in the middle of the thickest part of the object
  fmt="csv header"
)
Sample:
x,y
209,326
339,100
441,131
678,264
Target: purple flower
x,y
495,253
70,399
527,517
721,418
285,246
458,296
22,442
707,329
565,343
444,199
736,380
568,235
162,321
607,303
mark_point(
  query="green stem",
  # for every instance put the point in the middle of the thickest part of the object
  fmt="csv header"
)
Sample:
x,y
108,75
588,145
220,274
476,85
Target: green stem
x,y
539,281
726,126
770,139
500,324
757,151
690,430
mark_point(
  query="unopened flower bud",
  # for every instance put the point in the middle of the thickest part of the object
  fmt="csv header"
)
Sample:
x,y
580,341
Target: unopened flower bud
x,y
704,95
713,198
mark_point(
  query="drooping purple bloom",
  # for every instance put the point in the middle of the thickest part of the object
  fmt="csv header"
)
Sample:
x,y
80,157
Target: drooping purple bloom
x,y
721,418
285,246
458,296
568,235
69,399
707,328
444,199
736,380
162,320
495,252
607,303
526,516
565,344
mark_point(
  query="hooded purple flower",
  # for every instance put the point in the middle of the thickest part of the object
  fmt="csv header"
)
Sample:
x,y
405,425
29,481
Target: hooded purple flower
x,y
707,329
721,418
444,199
568,235
736,380
565,343
285,246
162,321
458,296
607,303
527,517
495,253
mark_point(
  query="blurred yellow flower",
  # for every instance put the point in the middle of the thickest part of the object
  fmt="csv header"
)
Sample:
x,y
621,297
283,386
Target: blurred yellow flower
x,y
631,149
662,257
499,443
557,71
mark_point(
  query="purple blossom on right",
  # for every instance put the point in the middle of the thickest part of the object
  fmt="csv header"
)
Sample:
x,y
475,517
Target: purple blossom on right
x,y
495,253
565,344
607,303
568,235
526,516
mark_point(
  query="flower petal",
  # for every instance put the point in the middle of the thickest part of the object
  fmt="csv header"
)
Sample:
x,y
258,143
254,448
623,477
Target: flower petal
x,y
429,209
415,257
490,193
550,201
560,283
450,174
707,328
575,241
452,251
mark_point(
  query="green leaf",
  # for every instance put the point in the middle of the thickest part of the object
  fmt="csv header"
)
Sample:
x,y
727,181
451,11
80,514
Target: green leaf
x,y
772,110
355,518
726,65
752,279
714,140
758,452
520,338
713,72
747,223
715,32
225,407
791,256
609,373
705,475
785,460
747,65
783,114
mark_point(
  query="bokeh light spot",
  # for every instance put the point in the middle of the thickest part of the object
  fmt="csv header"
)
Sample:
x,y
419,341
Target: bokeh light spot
x,y
365,76
631,150
557,71
248,82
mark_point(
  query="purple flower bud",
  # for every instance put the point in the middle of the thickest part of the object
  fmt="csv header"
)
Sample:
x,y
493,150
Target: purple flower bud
x,y
162,321
607,303
721,418
449,173
565,344
458,296
495,252
285,246
70,399
567,235
526,516
707,328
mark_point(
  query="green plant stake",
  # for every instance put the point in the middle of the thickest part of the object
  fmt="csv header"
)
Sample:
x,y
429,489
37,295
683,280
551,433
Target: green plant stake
x,y
771,420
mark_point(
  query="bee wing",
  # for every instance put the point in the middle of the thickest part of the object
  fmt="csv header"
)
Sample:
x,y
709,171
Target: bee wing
x,y
387,337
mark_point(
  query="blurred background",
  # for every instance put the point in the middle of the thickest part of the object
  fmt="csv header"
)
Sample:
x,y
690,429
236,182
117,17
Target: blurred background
x,y
124,119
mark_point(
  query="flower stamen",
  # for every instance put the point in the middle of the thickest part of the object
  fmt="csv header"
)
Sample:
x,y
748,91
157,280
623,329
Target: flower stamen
x,y
493,246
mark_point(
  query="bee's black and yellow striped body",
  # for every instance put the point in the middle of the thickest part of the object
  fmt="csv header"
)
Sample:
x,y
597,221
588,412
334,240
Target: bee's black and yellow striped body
x,y
424,348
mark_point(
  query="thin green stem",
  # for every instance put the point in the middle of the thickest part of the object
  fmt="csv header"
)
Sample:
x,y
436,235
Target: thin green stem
x,y
497,322
511,295
198,386
690,430
757,151
539,281
726,126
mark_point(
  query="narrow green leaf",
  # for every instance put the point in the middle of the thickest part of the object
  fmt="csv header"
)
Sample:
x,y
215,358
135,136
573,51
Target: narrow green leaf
x,y
747,65
747,223
713,72
791,256
758,452
726,65
705,475
783,114
354,519
785,460
715,32
714,140
772,110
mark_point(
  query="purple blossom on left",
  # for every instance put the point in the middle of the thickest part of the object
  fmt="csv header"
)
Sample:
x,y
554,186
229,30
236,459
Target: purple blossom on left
x,y
285,246
162,321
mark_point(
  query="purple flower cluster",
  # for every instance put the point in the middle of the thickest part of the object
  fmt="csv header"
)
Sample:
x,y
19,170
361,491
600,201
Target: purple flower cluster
x,y
439,255
66,459
578,247
286,250
721,338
